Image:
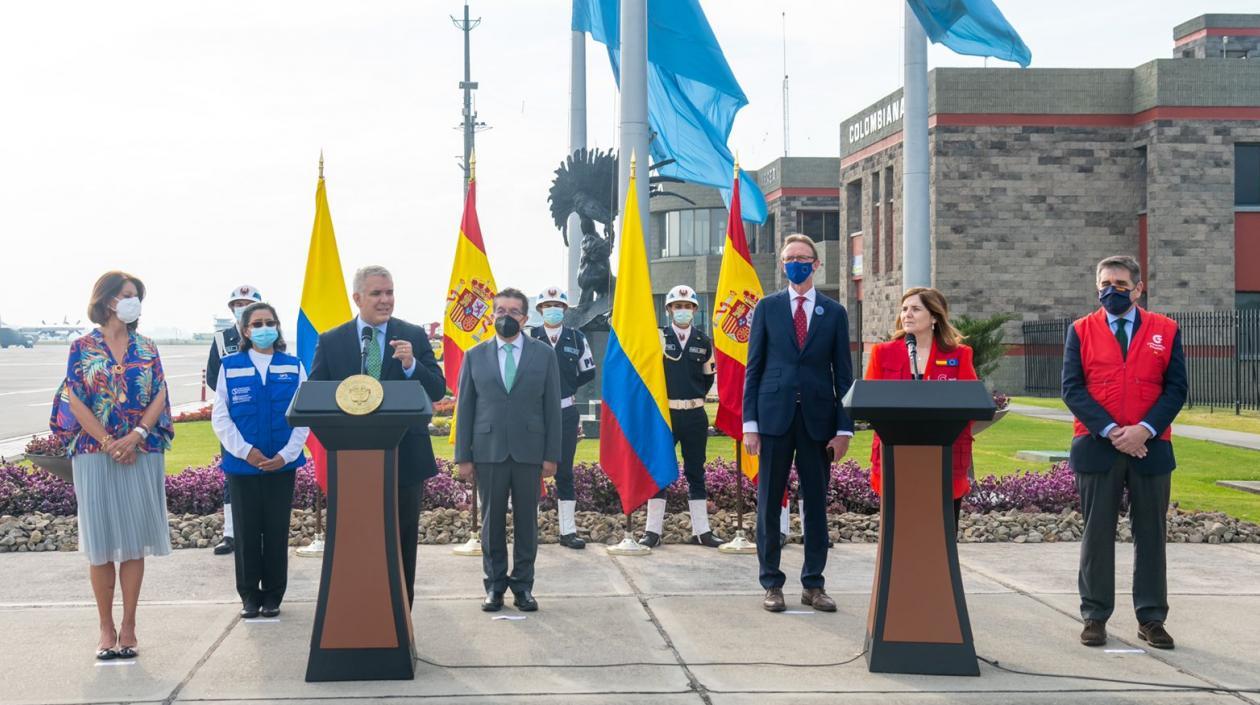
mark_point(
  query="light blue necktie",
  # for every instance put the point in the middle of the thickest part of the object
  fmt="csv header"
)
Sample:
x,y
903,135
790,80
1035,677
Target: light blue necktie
x,y
509,366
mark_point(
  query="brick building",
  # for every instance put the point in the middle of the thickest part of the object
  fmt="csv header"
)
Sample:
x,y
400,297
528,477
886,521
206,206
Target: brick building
x,y
1036,174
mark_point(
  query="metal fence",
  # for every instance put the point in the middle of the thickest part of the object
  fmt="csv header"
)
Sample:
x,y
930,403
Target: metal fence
x,y
1222,357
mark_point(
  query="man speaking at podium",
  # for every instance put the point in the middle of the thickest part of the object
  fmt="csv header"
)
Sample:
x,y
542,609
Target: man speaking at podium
x,y
388,348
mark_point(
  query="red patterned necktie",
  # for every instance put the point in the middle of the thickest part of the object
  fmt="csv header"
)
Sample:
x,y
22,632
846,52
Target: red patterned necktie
x,y
798,320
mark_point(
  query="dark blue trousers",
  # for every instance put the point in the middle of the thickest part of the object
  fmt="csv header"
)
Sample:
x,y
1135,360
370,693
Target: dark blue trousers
x,y
812,470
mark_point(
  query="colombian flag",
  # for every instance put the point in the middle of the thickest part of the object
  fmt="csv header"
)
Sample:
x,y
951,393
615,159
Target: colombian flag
x,y
324,302
636,443
737,294
469,317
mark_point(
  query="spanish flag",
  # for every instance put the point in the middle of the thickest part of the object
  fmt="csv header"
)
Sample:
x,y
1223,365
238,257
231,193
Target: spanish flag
x,y
737,294
636,443
324,302
469,317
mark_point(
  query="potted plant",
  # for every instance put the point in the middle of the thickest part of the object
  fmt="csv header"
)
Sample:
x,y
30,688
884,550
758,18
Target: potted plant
x,y
48,453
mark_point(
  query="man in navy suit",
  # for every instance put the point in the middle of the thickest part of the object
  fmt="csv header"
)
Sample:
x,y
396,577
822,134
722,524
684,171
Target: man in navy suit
x,y
1124,379
798,370
388,349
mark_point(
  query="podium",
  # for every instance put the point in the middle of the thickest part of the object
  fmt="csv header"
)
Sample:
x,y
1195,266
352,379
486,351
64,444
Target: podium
x,y
362,625
918,621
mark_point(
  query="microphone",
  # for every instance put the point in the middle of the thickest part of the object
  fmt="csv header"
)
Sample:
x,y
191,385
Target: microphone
x,y
367,339
912,346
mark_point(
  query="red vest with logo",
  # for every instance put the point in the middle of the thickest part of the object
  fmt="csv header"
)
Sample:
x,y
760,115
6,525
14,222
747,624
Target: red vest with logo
x,y
891,361
1126,387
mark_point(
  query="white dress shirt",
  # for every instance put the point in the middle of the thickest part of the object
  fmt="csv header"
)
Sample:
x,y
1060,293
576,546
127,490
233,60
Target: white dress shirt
x,y
230,436
1131,317
811,297
518,342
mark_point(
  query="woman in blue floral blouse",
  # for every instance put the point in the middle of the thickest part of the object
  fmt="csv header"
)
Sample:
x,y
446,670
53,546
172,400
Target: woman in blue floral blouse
x,y
113,415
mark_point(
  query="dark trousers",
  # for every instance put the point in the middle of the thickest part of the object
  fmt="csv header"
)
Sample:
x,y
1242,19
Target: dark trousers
x,y
409,500
691,431
495,482
1148,509
568,448
775,461
260,511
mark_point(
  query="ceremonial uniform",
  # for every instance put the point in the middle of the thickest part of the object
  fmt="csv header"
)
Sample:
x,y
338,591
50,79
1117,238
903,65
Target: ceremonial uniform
x,y
689,374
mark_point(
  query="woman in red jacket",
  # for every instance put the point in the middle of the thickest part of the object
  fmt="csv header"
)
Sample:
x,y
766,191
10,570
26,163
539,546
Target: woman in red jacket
x,y
941,357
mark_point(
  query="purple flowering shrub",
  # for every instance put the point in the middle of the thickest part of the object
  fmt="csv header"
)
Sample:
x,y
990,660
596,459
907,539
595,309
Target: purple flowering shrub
x,y
49,445
199,490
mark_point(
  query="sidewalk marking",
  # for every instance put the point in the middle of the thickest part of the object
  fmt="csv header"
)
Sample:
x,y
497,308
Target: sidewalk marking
x,y
509,617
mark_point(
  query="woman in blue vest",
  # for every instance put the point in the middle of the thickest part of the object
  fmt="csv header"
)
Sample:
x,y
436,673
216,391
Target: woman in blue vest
x,y
261,453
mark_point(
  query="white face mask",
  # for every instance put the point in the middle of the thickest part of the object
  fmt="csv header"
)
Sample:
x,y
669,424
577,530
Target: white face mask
x,y
128,309
238,310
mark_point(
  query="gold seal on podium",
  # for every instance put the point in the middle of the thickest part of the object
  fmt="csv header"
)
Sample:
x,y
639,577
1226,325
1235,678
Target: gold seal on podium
x,y
359,394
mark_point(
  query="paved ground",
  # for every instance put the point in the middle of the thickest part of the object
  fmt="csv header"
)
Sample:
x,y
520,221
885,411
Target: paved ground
x,y
28,379
681,626
1239,439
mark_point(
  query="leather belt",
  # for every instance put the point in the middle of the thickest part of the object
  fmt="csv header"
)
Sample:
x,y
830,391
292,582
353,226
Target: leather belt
x,y
567,402
683,404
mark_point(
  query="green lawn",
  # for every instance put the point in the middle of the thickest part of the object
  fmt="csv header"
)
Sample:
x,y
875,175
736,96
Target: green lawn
x,y
1248,421
1200,463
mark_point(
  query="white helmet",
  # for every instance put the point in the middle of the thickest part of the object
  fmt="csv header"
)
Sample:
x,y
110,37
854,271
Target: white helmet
x,y
682,294
552,295
245,292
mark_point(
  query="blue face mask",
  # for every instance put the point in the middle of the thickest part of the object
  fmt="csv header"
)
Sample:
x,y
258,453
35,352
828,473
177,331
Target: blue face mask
x,y
798,272
683,316
553,315
264,337
1116,302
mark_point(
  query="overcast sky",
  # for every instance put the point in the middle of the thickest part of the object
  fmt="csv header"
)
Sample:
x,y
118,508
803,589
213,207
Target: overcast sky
x,y
179,141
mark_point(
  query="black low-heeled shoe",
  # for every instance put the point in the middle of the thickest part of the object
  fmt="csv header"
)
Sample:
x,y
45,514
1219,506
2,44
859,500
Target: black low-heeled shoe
x,y
106,654
127,652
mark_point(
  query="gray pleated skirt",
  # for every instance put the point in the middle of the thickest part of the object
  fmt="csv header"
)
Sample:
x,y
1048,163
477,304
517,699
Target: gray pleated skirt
x,y
122,508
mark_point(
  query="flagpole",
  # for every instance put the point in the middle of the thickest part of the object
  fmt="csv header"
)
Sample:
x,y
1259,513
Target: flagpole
x,y
739,544
628,546
471,547
916,263
315,548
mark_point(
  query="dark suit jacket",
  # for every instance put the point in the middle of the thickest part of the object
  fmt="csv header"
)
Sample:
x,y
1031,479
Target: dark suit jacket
x,y
1092,452
493,425
337,356
779,371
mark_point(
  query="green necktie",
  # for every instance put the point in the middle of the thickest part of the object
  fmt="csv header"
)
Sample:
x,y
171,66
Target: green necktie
x,y
509,366
373,355
1122,337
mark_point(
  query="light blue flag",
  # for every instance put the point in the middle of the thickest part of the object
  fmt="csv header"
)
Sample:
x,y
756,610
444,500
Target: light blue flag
x,y
692,94
974,27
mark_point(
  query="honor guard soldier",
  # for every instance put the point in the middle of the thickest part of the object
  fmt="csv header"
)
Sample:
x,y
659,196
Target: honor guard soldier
x,y
689,372
226,342
577,367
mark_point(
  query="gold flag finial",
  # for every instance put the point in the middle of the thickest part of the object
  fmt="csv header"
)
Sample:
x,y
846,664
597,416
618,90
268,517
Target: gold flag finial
x,y
632,160
737,164
321,163
472,166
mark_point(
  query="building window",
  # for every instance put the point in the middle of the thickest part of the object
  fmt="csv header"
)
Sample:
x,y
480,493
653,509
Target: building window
x,y
1247,174
696,232
819,225
656,233
853,207
875,221
888,219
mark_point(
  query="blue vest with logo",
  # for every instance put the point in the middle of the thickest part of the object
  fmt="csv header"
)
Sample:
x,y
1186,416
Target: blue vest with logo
x,y
258,409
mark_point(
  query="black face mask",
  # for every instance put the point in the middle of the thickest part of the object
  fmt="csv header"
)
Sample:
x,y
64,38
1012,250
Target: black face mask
x,y
1116,302
507,327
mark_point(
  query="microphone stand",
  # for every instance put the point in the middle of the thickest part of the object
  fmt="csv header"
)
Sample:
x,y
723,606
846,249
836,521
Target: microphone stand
x,y
912,346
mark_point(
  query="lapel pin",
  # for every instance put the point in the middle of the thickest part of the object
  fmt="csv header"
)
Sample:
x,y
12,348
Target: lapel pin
x,y
818,310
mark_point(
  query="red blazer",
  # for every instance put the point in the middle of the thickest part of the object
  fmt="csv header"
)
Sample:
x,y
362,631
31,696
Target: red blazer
x,y
891,361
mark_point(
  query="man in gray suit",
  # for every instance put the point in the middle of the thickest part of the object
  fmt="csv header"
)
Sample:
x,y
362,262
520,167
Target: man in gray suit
x,y
507,435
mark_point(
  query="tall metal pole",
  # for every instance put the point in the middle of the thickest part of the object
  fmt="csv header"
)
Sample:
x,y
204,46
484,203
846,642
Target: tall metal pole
x,y
916,250
468,86
577,140
634,129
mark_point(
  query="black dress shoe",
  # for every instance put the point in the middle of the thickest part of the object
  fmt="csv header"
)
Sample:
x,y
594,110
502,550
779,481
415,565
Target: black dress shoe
x,y
1154,634
269,611
226,546
525,601
706,539
250,610
572,541
651,539
1095,633
493,602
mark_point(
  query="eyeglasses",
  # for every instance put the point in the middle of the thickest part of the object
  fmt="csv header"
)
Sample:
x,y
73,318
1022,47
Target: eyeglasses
x,y
262,324
802,258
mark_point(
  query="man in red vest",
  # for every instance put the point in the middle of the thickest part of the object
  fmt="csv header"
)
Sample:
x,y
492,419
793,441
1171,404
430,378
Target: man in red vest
x,y
1124,379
